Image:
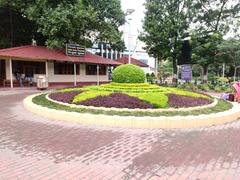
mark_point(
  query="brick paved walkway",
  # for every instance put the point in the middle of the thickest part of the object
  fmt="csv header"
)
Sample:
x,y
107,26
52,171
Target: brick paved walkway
x,y
35,148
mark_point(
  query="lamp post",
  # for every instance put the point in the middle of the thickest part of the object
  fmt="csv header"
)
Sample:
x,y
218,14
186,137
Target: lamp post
x,y
129,12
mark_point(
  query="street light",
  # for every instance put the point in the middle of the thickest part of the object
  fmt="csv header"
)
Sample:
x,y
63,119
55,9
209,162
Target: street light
x,y
128,13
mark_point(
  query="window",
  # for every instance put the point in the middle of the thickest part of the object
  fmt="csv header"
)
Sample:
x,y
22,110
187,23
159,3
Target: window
x,y
92,70
65,68
23,66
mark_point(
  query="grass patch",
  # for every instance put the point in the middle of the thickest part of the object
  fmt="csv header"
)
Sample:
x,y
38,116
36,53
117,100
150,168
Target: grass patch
x,y
221,106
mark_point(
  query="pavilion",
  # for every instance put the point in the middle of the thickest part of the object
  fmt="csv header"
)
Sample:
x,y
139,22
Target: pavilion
x,y
54,64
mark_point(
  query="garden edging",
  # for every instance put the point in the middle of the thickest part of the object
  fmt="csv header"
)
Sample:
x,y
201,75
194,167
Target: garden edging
x,y
135,122
214,103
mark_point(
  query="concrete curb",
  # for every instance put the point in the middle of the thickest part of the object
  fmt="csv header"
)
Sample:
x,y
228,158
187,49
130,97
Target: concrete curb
x,y
135,122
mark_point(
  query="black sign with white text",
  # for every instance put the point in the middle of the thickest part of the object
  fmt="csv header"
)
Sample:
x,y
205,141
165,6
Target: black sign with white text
x,y
75,50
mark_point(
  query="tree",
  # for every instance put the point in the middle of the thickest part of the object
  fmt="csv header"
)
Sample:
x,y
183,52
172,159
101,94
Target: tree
x,y
204,51
166,24
164,70
72,21
229,51
15,28
213,20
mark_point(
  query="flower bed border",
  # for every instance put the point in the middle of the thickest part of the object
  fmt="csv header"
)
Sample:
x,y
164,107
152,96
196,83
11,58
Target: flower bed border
x,y
132,121
214,103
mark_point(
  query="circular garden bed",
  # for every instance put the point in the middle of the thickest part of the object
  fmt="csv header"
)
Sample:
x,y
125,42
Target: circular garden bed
x,y
140,99
133,104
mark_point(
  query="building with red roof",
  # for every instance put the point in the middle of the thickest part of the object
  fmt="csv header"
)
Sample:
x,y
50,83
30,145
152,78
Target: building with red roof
x,y
54,64
124,60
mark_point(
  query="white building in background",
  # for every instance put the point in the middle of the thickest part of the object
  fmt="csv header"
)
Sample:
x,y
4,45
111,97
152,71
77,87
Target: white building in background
x,y
135,46
137,52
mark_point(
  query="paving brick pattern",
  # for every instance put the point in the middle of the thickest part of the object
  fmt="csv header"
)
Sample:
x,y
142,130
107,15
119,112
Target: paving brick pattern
x,y
32,147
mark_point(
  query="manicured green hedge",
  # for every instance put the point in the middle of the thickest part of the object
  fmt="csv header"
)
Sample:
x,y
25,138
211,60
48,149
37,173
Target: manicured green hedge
x,y
89,95
158,100
128,73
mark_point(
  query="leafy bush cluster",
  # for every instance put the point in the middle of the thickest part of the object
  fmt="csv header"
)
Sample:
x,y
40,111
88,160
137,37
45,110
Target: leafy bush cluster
x,y
151,78
208,87
179,101
65,97
116,88
117,100
128,73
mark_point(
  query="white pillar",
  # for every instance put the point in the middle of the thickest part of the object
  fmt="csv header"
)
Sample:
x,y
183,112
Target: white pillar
x,y
107,53
111,54
10,71
121,54
102,49
116,54
98,75
46,67
129,43
75,74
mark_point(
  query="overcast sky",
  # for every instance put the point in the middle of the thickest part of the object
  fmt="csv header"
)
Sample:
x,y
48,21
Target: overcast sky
x,y
137,17
136,22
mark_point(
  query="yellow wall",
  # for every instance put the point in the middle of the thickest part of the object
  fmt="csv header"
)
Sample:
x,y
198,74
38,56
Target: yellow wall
x,y
82,77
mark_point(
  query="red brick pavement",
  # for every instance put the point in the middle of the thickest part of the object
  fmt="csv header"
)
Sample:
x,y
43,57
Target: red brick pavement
x,y
32,147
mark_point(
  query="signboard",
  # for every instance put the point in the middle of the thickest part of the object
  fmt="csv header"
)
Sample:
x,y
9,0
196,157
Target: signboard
x,y
75,50
186,72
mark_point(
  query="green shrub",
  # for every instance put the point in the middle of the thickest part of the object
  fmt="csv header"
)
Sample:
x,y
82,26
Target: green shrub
x,y
223,80
205,87
218,88
181,86
89,95
158,100
128,73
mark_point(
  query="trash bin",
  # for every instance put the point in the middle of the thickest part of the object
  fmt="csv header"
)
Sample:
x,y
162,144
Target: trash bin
x,y
42,82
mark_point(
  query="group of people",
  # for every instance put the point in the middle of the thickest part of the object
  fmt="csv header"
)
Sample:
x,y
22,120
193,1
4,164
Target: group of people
x,y
22,77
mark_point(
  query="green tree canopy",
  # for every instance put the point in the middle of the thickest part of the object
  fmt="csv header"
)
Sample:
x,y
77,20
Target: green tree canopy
x,y
212,21
166,24
72,21
229,52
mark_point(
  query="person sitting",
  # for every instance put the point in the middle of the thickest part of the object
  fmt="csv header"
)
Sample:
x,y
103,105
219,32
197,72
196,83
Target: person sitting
x,y
29,77
18,76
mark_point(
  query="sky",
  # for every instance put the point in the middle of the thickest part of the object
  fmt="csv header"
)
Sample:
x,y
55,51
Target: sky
x,y
136,22
137,16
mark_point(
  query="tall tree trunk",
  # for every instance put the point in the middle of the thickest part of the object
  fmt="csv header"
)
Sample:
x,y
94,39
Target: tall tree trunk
x,y
235,72
205,74
174,80
223,75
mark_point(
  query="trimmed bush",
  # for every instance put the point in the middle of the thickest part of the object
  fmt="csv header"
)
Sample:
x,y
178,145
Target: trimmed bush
x,y
89,94
158,100
128,73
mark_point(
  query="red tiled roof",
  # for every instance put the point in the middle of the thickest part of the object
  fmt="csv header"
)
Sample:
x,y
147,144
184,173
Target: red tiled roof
x,y
124,60
43,53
